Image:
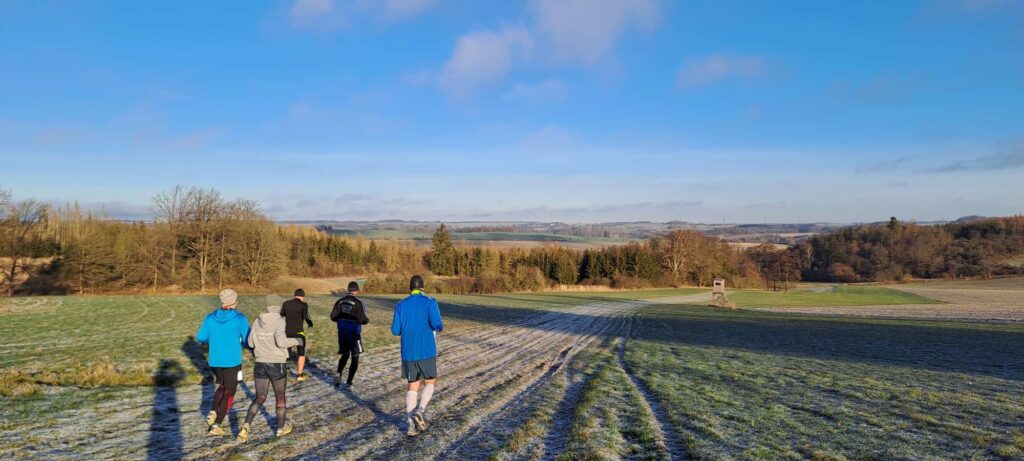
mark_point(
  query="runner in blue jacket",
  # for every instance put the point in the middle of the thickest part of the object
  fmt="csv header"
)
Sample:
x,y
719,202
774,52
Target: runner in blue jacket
x,y
224,330
417,320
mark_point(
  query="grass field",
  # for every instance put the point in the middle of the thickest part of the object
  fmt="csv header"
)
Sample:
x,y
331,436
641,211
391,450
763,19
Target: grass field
x,y
772,386
606,375
837,295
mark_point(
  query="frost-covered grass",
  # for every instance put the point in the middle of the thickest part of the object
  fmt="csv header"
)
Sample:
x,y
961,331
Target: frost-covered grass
x,y
832,296
743,385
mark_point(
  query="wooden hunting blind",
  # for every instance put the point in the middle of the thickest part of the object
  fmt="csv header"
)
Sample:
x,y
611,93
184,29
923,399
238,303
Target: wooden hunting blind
x,y
718,291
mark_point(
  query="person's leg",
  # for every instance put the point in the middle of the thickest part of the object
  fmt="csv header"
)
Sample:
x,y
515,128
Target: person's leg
x,y
262,386
228,395
410,401
352,369
302,355
428,392
279,396
342,361
218,377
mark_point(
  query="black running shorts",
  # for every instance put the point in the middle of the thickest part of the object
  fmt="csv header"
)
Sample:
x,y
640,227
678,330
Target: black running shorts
x,y
300,350
227,377
271,371
415,370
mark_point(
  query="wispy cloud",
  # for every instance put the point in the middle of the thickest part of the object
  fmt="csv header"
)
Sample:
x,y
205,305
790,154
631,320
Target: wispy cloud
x,y
720,67
881,89
1009,157
884,165
316,15
550,139
549,90
481,58
405,9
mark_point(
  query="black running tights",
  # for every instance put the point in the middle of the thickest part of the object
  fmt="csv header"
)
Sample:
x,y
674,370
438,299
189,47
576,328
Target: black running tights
x,y
262,387
352,369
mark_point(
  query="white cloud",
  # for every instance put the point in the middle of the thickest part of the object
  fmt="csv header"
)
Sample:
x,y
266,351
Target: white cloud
x,y
482,57
716,68
315,15
583,31
546,91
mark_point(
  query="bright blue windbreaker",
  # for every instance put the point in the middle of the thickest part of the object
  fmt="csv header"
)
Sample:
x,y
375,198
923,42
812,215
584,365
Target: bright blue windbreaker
x,y
416,319
225,330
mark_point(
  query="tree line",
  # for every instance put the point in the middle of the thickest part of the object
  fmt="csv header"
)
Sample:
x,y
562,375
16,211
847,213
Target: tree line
x,y
200,241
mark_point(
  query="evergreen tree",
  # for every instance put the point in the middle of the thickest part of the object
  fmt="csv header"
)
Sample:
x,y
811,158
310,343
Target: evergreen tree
x,y
443,255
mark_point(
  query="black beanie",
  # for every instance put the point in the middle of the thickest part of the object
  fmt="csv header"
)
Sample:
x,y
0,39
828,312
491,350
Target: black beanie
x,y
300,292
353,286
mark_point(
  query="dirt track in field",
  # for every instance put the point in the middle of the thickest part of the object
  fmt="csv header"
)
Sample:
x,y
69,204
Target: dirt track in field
x,y
491,377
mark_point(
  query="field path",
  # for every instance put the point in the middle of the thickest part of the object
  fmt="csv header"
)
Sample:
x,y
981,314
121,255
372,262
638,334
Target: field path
x,y
488,376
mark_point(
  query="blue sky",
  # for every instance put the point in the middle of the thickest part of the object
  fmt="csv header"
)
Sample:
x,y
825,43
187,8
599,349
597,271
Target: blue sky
x,y
570,110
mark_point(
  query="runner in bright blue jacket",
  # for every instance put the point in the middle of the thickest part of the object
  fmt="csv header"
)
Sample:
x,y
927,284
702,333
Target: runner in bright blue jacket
x,y
417,319
224,330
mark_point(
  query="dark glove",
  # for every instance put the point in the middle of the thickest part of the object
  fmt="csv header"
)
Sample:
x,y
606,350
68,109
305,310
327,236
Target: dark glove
x,y
309,322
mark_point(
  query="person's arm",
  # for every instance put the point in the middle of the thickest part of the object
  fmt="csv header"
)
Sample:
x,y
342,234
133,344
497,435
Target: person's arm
x,y
434,317
203,336
244,330
361,313
248,340
305,315
283,341
396,323
336,311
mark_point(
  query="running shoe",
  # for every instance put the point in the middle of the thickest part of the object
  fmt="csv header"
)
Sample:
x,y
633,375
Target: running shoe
x,y
211,418
243,433
419,420
287,429
216,431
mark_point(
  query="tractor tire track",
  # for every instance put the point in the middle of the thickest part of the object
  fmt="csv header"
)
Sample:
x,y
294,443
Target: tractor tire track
x,y
669,434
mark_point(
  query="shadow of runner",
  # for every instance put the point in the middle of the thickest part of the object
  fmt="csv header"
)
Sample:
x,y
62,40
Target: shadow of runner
x,y
197,356
165,439
327,377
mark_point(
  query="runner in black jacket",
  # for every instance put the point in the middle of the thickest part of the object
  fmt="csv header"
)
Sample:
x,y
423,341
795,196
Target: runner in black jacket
x,y
295,311
351,316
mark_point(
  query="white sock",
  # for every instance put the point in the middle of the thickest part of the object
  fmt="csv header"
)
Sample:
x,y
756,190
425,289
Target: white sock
x,y
410,404
428,392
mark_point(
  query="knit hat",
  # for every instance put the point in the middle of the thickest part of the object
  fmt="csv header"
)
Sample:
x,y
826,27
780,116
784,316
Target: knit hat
x,y
300,292
228,297
274,308
353,286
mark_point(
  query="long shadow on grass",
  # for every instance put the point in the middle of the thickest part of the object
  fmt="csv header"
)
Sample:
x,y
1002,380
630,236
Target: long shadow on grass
x,y
165,439
195,354
976,349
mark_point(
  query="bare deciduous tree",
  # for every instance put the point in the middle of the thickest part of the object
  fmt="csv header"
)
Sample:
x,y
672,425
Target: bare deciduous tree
x,y
19,222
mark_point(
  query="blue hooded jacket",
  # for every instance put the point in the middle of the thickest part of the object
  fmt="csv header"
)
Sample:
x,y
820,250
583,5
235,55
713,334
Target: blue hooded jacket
x,y
225,330
416,319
